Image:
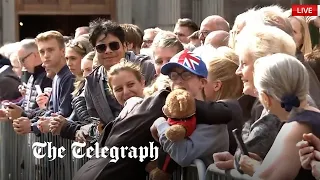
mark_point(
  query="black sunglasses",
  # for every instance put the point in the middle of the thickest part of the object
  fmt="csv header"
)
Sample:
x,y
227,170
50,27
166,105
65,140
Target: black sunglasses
x,y
101,48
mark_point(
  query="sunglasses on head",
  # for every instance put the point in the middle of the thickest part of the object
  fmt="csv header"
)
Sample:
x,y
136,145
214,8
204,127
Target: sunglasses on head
x,y
101,48
72,44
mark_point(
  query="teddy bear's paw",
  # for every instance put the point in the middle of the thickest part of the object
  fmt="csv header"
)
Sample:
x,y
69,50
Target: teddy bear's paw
x,y
158,174
176,133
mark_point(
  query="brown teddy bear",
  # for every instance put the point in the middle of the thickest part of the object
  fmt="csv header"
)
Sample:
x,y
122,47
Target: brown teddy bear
x,y
180,108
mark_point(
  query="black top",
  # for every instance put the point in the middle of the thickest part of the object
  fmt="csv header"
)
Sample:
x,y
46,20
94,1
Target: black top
x,y
312,119
132,128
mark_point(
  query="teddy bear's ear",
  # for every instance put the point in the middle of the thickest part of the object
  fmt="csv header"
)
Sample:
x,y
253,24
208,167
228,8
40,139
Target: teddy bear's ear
x,y
165,110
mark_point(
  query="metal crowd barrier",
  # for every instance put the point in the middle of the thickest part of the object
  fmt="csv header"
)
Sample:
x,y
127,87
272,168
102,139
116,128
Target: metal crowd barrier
x,y
17,161
196,171
213,173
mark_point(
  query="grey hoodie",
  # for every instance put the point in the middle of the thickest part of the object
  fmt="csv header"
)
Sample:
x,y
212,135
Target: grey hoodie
x,y
204,141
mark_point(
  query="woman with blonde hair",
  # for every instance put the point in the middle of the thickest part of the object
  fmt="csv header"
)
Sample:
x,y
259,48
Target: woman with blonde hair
x,y
221,76
260,129
301,34
282,84
223,84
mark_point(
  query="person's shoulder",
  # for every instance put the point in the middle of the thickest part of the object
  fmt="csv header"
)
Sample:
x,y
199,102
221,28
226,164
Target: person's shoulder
x,y
94,74
9,81
143,57
267,121
140,58
157,98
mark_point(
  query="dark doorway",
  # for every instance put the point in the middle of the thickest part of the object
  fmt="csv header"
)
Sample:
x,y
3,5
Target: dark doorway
x,y
31,25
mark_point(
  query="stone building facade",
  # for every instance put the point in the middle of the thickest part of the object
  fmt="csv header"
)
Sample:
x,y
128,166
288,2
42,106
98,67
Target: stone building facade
x,y
145,13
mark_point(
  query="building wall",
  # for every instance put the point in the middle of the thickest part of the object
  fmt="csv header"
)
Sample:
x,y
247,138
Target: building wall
x,y
165,13
151,13
1,29
8,30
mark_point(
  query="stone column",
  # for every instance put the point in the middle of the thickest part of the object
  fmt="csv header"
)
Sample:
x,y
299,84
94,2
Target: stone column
x,y
1,24
168,13
210,7
8,21
145,13
124,11
197,11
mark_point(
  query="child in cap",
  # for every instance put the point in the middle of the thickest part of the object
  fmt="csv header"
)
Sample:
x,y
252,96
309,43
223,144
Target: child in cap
x,y
189,72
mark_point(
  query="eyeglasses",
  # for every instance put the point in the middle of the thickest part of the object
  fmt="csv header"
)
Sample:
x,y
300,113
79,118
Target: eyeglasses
x,y
148,41
22,60
204,33
184,75
101,48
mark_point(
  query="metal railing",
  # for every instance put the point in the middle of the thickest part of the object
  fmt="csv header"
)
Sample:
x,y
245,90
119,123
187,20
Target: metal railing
x,y
17,161
213,173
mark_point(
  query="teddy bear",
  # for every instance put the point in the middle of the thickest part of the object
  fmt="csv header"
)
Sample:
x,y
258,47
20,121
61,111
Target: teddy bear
x,y
180,108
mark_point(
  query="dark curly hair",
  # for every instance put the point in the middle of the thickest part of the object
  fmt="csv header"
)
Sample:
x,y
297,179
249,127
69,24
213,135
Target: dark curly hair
x,y
103,26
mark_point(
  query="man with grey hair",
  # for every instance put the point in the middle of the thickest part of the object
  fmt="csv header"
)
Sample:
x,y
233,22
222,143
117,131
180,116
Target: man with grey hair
x,y
217,38
148,37
81,30
210,24
29,58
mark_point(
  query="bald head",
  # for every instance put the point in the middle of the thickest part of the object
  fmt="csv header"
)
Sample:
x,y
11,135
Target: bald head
x,y
217,38
212,23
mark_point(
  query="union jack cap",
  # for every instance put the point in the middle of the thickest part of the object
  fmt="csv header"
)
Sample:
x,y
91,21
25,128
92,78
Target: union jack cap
x,y
187,60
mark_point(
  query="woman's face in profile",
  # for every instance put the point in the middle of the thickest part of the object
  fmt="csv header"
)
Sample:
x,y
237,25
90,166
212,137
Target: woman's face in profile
x,y
86,67
245,71
125,85
297,31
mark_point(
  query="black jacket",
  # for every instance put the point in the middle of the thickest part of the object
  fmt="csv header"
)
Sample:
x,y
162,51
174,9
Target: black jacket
x,y
79,117
9,81
132,129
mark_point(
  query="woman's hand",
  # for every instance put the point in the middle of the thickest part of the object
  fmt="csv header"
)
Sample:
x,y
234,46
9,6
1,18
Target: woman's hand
x,y
56,124
42,100
223,160
313,19
306,154
3,115
153,128
250,164
14,111
315,169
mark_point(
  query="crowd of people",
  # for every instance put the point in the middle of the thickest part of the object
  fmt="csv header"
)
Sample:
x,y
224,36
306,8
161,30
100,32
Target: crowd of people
x,y
109,84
